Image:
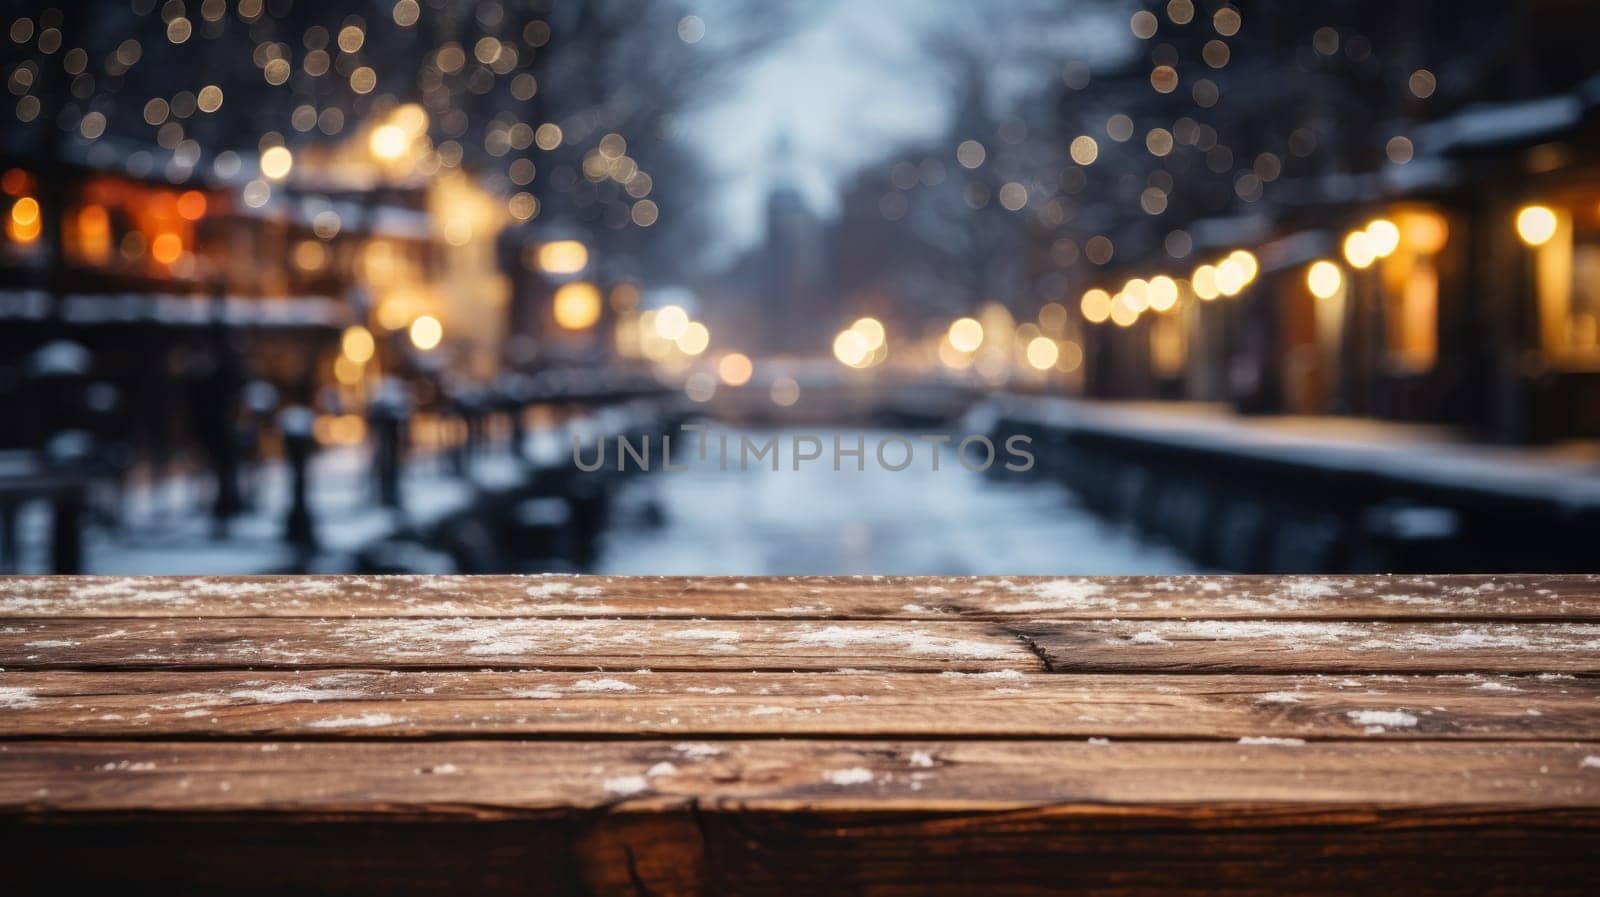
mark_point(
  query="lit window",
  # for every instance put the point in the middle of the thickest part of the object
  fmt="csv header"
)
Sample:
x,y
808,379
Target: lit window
x,y
1410,278
1566,270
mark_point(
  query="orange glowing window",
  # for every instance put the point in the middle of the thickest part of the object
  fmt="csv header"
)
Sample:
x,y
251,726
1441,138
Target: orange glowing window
x,y
1410,277
90,238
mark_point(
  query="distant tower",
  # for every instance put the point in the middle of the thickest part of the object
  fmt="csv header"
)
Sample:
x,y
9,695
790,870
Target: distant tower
x,y
795,315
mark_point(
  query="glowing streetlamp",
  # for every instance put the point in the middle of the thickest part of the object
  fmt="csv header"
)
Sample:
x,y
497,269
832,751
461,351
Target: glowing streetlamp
x,y
1536,225
1096,306
1383,237
276,162
1358,250
671,321
389,142
563,257
577,305
1042,353
357,344
966,334
426,332
1324,279
851,348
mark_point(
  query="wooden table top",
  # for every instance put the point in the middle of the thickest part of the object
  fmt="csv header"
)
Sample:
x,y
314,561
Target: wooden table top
x,y
802,735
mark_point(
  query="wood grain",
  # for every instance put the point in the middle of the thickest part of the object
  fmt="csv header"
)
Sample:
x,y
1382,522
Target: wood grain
x,y
387,704
1294,646
799,736
1242,646
1416,598
510,643
488,779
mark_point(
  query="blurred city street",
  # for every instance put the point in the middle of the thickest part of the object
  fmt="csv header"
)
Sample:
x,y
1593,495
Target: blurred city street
x,y
950,522
291,287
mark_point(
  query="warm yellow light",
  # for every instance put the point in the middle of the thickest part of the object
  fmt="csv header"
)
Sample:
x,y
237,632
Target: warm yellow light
x,y
1424,232
25,213
1136,293
850,348
871,330
563,257
426,332
1163,293
1230,277
340,429
671,321
1205,283
966,334
953,358
1324,279
1096,306
389,142
1246,262
1358,250
166,248
1383,236
735,369
411,118
694,339
348,372
357,344
276,162
1042,353
577,305
1536,225
310,255
1123,314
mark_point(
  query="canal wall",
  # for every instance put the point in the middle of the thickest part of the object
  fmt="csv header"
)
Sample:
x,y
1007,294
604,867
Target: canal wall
x,y
1262,496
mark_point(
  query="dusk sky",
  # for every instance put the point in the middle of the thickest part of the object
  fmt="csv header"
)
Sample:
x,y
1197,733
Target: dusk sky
x,y
852,83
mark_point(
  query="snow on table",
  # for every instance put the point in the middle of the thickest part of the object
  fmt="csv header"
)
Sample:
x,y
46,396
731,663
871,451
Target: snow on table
x,y
800,735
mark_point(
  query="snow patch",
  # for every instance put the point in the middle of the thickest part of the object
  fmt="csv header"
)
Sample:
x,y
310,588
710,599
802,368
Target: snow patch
x,y
1054,594
914,641
855,775
1379,720
365,720
625,786
1279,697
15,697
284,693
603,685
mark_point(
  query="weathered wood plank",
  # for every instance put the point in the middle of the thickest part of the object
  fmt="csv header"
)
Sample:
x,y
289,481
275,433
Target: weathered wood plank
x,y
378,704
728,849
487,779
801,736
1417,598
1247,646
1070,646
507,642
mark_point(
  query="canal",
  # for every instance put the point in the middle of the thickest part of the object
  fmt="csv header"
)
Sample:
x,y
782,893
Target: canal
x,y
953,521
